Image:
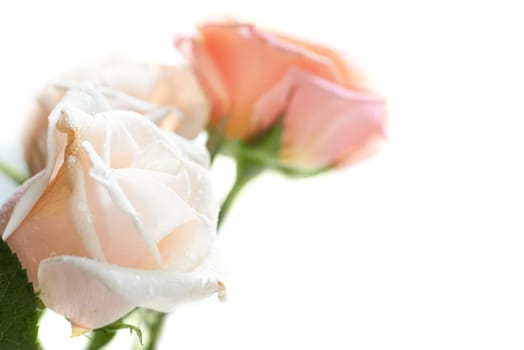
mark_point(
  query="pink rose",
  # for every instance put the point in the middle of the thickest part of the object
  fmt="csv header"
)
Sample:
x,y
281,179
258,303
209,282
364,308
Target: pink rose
x,y
324,124
254,78
123,215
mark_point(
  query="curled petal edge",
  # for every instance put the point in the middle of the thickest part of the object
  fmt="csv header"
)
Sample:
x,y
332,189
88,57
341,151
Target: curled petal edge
x,y
117,289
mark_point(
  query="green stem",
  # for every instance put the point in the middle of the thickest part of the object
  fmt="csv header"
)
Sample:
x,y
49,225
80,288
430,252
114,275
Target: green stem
x,y
99,339
245,173
155,327
13,173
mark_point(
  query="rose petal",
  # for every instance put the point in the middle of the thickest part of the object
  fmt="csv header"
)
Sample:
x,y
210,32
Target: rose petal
x,y
75,294
141,185
48,229
89,99
324,124
92,294
91,203
178,86
144,133
353,77
249,62
209,75
80,211
120,203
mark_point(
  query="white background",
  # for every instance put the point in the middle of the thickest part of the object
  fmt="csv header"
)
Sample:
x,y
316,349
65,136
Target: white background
x,y
420,247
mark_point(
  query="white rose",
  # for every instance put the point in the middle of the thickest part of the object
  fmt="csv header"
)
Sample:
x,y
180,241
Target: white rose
x,y
170,94
122,216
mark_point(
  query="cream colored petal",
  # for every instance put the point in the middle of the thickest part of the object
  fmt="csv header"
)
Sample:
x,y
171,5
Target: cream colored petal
x,y
86,98
201,196
25,203
183,234
193,181
103,176
192,151
146,189
92,294
80,212
144,133
72,292
178,86
48,229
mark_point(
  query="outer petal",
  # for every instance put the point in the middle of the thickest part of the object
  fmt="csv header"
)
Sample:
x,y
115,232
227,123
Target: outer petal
x,y
89,100
93,294
144,133
7,208
90,201
324,124
178,86
353,78
250,62
208,72
48,230
170,95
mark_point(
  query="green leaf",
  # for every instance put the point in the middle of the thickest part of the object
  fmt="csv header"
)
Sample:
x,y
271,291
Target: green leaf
x,y
103,336
152,323
14,174
19,306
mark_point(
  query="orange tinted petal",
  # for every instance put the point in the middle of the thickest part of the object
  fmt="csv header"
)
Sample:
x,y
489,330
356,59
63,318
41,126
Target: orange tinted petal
x,y
208,73
353,78
250,62
47,230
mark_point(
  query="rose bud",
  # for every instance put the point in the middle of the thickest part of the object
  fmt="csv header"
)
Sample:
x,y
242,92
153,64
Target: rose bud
x,y
122,216
171,95
258,80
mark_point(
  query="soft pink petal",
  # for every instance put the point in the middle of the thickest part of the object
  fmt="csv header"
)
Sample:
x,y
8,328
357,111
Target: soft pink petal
x,y
48,230
93,294
73,292
324,124
170,210
88,99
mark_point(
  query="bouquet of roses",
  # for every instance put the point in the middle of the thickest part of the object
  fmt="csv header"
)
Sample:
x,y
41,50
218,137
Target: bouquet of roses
x,y
117,223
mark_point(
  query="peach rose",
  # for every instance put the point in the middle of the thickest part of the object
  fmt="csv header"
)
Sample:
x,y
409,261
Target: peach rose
x,y
255,79
238,64
170,94
122,216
